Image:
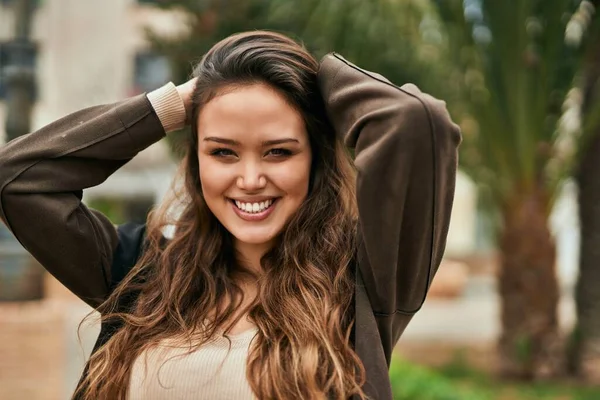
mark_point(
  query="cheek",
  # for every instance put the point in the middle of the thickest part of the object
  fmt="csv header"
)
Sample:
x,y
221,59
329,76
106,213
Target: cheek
x,y
293,177
213,177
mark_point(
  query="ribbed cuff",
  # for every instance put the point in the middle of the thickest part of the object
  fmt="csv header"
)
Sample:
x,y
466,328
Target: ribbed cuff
x,y
169,107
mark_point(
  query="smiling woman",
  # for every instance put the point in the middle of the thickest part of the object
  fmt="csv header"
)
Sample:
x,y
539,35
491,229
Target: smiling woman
x,y
292,271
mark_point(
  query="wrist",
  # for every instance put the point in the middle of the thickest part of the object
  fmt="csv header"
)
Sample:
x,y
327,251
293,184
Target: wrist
x,y
186,91
169,107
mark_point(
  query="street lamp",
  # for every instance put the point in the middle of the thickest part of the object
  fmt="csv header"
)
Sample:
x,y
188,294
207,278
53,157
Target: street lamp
x,y
21,278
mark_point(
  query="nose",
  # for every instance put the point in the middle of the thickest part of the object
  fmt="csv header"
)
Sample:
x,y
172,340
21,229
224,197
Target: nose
x,y
251,177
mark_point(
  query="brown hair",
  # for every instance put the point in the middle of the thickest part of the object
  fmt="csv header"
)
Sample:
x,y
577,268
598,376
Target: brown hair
x,y
304,309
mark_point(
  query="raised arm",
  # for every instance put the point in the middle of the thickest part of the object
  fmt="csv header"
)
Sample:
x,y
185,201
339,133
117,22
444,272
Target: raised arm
x,y
406,156
43,174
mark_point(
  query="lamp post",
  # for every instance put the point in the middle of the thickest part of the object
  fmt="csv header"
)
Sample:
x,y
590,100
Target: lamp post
x,y
19,73
21,278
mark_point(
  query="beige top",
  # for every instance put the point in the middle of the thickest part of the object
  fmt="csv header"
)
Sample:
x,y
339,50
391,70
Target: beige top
x,y
212,372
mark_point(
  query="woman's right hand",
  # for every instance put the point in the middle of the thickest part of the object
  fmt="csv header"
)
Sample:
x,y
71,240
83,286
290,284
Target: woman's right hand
x,y
185,91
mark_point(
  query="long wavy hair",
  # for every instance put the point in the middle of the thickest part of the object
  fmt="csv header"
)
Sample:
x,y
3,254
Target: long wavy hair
x,y
304,307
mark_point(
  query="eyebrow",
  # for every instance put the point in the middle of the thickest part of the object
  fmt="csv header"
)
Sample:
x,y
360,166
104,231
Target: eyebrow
x,y
236,143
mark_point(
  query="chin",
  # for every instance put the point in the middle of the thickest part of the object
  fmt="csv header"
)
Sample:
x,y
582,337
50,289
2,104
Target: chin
x,y
253,238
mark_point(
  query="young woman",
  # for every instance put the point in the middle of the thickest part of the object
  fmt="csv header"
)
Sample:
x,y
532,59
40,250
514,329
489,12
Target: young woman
x,y
288,276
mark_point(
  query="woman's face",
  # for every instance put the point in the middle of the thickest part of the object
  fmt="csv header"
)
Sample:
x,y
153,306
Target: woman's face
x,y
254,157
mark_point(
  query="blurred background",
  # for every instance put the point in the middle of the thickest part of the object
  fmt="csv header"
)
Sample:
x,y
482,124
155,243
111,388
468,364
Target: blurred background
x,y
514,312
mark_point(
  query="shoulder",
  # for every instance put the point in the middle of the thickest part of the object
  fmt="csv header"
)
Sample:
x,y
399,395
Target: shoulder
x,y
436,109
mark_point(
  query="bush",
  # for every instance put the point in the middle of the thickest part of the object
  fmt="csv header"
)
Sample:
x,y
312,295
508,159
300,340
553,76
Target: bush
x,y
413,382
458,380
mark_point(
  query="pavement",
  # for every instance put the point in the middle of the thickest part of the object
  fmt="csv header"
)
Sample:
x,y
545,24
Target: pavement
x,y
473,318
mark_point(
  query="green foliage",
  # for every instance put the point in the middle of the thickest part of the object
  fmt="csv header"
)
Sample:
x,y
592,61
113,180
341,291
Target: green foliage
x,y
458,380
113,209
412,382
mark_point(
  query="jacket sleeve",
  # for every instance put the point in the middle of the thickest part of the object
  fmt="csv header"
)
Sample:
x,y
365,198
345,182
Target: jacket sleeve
x,y
42,177
406,158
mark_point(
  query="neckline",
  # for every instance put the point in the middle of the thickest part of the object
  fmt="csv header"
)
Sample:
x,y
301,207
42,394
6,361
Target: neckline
x,y
239,335
220,334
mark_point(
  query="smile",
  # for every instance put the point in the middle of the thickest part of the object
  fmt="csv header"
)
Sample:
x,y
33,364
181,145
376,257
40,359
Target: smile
x,y
254,208
254,211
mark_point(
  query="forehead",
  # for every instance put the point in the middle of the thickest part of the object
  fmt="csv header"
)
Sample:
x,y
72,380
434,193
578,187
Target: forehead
x,y
248,112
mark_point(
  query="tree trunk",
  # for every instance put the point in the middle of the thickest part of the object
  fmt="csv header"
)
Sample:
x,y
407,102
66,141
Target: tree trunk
x,y
584,352
529,344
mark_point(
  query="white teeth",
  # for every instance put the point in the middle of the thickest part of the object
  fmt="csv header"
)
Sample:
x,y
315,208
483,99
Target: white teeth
x,y
253,207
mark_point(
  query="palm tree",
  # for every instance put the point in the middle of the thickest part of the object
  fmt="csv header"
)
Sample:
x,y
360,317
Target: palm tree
x,y
518,69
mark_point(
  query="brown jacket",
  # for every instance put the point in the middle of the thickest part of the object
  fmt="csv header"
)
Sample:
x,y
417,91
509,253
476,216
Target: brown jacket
x,y
406,155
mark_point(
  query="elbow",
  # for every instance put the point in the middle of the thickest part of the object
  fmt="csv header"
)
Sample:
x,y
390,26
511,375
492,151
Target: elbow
x,y
8,204
447,133
4,209
431,115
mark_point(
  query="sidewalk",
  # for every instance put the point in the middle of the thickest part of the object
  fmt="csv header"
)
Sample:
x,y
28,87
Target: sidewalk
x,y
473,318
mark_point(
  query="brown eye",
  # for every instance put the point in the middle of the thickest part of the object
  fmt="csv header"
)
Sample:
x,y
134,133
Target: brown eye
x,y
222,153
